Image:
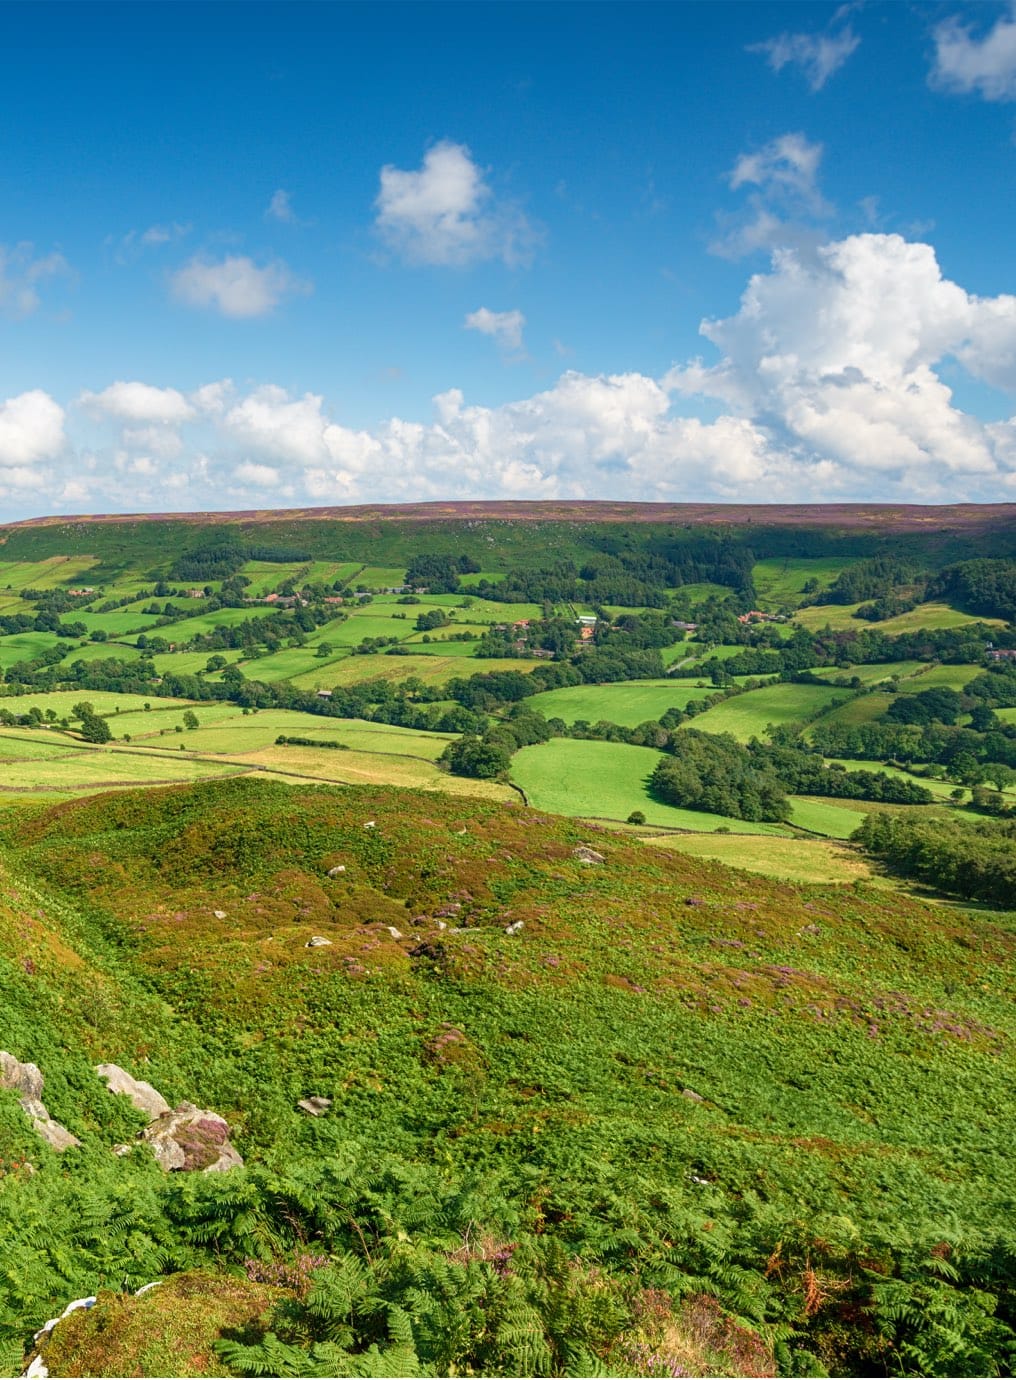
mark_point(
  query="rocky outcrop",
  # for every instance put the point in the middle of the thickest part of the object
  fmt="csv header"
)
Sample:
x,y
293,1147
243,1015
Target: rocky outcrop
x,y
587,855
314,1106
189,1138
26,1080
149,1102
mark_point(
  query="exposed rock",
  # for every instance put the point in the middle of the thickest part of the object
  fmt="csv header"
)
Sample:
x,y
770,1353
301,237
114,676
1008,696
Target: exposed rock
x,y
189,1138
122,1149
334,871
691,1095
694,901
26,1079
587,855
47,1328
371,824
149,1102
395,934
219,914
430,948
314,1106
317,941
515,927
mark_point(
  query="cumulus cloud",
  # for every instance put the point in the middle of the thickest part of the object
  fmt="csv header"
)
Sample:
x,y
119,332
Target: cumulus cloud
x,y
139,402
445,213
835,355
261,476
505,327
31,430
235,286
22,273
829,382
986,65
817,55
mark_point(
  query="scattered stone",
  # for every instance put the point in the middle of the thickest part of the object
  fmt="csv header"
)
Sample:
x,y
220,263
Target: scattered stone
x,y
441,925
147,1099
432,949
47,1328
515,927
694,901
189,1138
691,1095
395,934
314,1106
587,855
334,871
26,1079
371,824
37,1370
318,941
122,1149
459,833
219,914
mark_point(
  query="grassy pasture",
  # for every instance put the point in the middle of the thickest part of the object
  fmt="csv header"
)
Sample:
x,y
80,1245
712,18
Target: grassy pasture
x,y
700,593
821,816
593,780
381,576
52,573
202,623
130,619
328,572
871,675
1008,716
288,663
99,768
863,709
812,861
189,663
102,701
747,715
25,647
929,616
628,703
431,669
373,769
265,576
98,651
779,582
32,744
938,677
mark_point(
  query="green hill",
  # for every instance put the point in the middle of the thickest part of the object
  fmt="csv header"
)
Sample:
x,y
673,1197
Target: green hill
x,y
679,1121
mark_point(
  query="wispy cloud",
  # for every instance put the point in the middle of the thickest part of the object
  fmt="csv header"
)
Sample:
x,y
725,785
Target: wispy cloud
x,y
784,200
22,273
817,55
236,286
986,65
505,327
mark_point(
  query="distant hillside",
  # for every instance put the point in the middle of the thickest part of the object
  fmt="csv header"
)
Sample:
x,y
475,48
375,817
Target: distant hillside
x,y
526,533
593,1105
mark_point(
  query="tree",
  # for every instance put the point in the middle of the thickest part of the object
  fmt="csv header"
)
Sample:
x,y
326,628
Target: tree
x,y
190,719
94,729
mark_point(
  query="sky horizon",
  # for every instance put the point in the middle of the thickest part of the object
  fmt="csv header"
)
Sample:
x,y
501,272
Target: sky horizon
x,y
289,255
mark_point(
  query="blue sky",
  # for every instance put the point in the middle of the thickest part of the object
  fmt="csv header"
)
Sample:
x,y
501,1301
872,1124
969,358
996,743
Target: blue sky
x,y
275,255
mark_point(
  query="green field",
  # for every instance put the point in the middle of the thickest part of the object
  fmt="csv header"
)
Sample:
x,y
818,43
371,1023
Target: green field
x,y
781,583
812,861
25,646
593,780
53,573
863,709
748,715
628,703
871,675
820,816
930,616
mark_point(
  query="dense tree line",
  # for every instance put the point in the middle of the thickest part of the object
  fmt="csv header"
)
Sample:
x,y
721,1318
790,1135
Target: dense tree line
x,y
986,587
977,862
218,560
713,773
871,579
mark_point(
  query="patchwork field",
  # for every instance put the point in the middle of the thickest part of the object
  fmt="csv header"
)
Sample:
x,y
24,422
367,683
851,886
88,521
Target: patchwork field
x,y
781,582
925,616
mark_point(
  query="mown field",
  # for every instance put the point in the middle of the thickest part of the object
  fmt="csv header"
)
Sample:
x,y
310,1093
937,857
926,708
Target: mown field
x,y
930,615
811,861
749,715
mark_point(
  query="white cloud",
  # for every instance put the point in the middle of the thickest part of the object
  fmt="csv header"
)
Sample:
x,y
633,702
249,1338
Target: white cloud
x,y
31,429
787,166
784,206
830,381
986,65
446,213
262,476
281,208
130,246
817,55
235,286
505,327
836,357
139,402
22,271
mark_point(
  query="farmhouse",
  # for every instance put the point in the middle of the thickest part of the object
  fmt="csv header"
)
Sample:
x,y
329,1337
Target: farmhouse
x,y
1002,654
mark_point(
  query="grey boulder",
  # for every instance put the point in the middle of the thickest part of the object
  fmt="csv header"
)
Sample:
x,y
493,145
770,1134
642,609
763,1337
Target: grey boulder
x,y
189,1138
149,1102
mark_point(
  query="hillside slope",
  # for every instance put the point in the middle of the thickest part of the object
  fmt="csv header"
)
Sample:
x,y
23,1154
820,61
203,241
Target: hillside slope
x,y
669,1084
